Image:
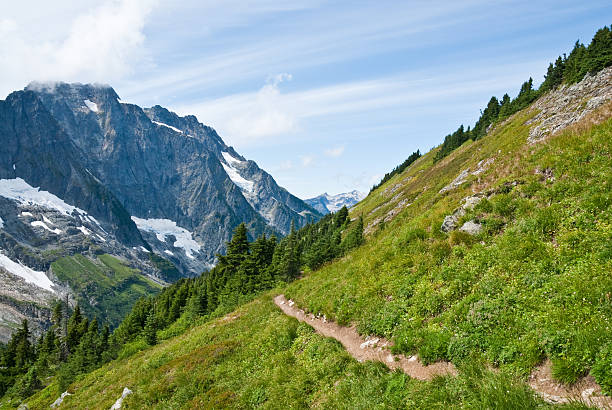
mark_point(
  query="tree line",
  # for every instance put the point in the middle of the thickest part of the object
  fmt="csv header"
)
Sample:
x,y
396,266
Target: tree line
x,y
75,345
567,69
398,169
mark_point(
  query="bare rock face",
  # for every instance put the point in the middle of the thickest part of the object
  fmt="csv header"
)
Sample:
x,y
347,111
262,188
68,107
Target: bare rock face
x,y
450,221
60,400
569,104
471,227
481,167
162,166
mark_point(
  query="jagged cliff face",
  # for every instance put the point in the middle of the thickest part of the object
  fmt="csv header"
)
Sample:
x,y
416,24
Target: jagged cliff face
x,y
128,181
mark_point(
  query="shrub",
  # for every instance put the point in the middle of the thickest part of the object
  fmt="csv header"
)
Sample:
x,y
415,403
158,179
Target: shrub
x,y
566,371
460,237
493,225
602,370
434,345
503,205
530,189
439,251
460,346
415,234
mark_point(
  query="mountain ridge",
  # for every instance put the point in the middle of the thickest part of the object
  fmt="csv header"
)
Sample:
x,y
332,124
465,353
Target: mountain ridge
x,y
136,183
326,203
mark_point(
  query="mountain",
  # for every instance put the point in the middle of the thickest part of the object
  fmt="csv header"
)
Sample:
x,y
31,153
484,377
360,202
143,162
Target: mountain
x,y
83,173
326,203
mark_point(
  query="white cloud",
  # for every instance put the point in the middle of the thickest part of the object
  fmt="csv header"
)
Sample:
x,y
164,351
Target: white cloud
x,y
275,80
253,116
102,44
334,152
307,160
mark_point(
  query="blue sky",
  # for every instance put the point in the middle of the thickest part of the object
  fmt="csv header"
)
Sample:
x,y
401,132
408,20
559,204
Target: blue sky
x,y
324,95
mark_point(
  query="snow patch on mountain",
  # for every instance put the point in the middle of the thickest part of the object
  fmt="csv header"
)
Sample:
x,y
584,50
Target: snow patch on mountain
x,y
43,225
163,228
91,105
161,124
230,168
85,231
1,223
231,160
19,190
326,203
29,275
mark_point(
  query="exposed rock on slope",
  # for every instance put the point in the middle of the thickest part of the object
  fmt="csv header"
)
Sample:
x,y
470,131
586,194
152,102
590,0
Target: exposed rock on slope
x,y
569,104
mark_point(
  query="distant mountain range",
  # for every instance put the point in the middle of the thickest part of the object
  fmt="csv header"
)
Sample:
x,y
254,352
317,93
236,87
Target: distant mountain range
x,y
84,173
326,203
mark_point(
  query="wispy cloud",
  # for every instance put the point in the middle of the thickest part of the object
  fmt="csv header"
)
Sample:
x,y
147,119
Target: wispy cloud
x,y
330,38
269,115
334,152
307,160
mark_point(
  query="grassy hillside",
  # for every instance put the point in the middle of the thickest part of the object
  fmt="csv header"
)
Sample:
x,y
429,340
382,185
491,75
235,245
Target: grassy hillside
x,y
105,287
259,357
535,283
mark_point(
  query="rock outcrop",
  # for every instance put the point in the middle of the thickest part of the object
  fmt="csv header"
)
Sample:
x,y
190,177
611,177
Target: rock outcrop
x,y
450,221
569,104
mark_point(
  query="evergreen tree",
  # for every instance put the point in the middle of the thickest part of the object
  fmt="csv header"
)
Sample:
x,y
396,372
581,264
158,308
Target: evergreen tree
x,y
574,65
340,217
554,75
399,169
24,351
599,52
150,329
505,108
355,236
237,248
74,329
28,384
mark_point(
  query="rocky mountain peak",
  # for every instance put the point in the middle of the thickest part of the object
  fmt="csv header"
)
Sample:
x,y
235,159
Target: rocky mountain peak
x,y
326,203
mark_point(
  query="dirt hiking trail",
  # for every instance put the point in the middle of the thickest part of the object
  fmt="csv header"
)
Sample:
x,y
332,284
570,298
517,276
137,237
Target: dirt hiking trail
x,y
379,349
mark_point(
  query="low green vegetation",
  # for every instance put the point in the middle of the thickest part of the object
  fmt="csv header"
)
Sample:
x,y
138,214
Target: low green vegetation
x,y
258,357
105,287
532,285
